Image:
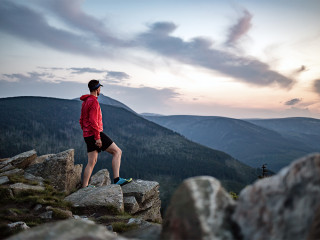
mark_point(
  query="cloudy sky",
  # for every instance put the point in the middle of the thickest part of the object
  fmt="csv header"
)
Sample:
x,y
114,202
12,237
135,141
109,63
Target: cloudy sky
x,y
239,59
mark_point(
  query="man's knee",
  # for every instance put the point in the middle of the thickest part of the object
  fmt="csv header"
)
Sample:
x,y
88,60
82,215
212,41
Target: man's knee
x,y
117,151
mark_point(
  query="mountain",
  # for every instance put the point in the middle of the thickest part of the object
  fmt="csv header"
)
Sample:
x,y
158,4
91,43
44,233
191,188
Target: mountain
x,y
250,143
150,151
306,130
112,102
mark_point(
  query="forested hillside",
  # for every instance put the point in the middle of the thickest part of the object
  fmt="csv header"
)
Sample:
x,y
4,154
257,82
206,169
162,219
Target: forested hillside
x,y
253,142
150,151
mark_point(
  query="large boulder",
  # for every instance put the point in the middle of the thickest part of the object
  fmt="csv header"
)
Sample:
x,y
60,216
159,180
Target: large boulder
x,y
67,230
101,178
22,160
60,170
142,200
199,209
285,206
99,199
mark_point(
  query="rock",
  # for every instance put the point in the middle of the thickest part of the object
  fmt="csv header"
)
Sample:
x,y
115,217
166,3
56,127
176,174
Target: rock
x,y
22,160
103,199
101,178
146,194
283,206
60,213
4,180
18,226
12,172
41,158
37,207
7,168
199,209
60,170
145,230
46,215
67,230
141,190
21,187
131,205
33,178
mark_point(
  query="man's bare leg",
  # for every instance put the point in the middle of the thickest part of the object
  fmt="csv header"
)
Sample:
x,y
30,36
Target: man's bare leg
x,y
116,159
92,159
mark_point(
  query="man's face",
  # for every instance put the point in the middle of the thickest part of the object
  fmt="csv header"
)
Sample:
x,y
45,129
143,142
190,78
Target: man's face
x,y
98,91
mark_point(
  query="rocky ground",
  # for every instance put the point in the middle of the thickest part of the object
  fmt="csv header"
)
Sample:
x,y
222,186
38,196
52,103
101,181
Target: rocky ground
x,y
37,190
285,206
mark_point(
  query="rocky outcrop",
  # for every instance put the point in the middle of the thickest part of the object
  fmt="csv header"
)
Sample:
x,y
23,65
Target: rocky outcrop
x,y
142,199
101,178
103,199
22,160
67,230
199,209
59,169
283,206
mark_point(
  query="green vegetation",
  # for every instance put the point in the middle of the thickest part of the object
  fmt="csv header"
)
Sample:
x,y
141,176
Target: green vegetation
x,y
233,195
121,227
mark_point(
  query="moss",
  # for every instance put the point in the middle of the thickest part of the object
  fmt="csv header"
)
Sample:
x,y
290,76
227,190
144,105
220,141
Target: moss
x,y
234,195
59,214
18,178
121,227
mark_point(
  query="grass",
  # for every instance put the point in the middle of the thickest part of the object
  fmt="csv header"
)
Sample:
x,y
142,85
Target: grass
x,y
17,178
121,227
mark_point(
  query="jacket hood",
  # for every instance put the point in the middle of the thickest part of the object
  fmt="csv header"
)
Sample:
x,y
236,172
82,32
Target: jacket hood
x,y
85,97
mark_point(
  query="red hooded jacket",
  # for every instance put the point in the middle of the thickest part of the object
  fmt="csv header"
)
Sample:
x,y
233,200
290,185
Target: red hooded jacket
x,y
91,117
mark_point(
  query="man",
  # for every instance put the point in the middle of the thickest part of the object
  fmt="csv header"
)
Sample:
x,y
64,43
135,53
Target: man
x,y
96,140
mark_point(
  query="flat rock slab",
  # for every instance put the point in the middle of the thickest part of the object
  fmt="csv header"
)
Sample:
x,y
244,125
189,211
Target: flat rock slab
x,y
285,206
22,160
141,189
21,187
102,197
12,172
4,180
67,230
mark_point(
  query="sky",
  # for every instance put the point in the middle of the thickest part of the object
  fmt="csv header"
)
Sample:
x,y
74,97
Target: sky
x,y
240,59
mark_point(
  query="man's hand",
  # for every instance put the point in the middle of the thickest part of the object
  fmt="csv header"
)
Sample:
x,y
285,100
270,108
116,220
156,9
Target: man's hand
x,y
99,143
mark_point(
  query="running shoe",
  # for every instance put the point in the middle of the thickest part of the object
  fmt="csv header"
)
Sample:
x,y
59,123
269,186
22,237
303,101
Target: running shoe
x,y
123,181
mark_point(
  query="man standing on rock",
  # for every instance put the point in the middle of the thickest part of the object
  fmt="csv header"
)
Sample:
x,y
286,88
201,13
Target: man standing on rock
x,y
96,140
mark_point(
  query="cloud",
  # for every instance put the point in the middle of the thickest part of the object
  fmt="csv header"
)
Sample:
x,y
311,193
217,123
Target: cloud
x,y
116,76
240,28
71,12
95,40
199,52
293,101
316,86
86,70
31,25
29,77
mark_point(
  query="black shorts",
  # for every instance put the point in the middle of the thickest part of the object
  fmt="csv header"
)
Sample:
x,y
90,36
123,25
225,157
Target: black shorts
x,y
91,143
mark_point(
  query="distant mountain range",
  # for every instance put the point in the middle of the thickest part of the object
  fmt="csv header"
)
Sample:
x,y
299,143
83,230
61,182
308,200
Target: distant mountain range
x,y
112,102
275,142
150,151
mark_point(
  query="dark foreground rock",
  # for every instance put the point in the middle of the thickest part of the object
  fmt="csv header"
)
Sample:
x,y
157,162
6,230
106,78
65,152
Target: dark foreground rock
x,y
199,209
285,206
67,230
